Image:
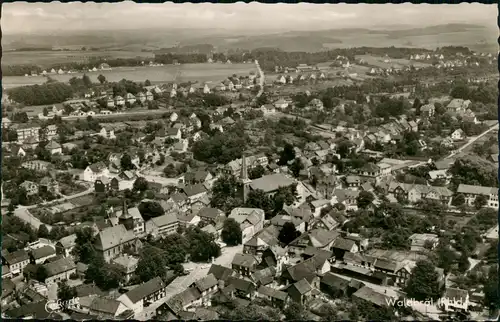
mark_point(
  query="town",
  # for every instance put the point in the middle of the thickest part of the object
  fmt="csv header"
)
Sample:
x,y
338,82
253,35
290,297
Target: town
x,y
355,184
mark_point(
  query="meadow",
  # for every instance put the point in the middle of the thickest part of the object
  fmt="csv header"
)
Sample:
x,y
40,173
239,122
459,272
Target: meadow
x,y
157,74
379,62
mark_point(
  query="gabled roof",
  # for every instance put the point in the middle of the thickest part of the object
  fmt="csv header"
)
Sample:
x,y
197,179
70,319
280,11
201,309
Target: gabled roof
x,y
68,241
97,167
273,293
211,213
193,190
105,305
241,284
302,286
335,281
245,260
144,290
264,276
113,236
16,257
205,283
164,220
343,244
52,145
220,272
60,266
43,252
368,294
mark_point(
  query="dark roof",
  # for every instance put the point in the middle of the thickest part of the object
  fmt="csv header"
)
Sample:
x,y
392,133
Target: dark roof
x,y
386,264
245,260
88,289
82,316
194,189
335,281
16,257
140,292
105,305
206,283
343,244
35,310
302,286
264,276
241,284
197,176
208,212
43,252
273,293
59,266
220,272
368,294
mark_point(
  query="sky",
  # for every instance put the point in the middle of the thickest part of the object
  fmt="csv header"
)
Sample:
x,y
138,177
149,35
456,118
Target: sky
x,y
22,17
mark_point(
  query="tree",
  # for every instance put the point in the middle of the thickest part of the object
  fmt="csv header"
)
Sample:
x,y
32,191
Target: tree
x,y
65,293
101,79
41,273
126,162
463,263
45,111
147,82
288,154
231,232
329,314
480,201
256,172
491,298
106,276
458,200
43,231
364,199
288,233
296,167
140,184
417,105
170,171
152,263
150,210
294,312
202,245
225,193
423,283
86,81
84,245
259,199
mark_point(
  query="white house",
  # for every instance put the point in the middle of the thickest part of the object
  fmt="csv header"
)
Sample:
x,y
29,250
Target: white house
x,y
94,171
130,98
458,135
119,101
455,299
173,117
53,147
251,221
162,225
281,104
268,109
143,295
281,79
107,133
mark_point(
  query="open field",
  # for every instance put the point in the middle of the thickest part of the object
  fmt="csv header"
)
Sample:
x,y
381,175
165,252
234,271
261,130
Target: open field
x,y
380,63
157,74
47,58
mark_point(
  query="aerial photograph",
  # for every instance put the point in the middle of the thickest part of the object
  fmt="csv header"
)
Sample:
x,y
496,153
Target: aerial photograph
x,y
319,162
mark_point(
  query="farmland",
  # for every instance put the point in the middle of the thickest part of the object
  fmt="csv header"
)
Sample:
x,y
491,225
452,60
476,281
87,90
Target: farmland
x,y
157,74
392,62
48,58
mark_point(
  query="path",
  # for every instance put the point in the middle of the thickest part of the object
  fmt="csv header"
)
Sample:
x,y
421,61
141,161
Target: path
x,y
261,81
474,139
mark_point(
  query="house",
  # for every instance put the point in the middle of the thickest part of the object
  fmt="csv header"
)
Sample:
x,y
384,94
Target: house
x,y
370,171
300,291
346,197
130,98
94,171
162,225
221,273
472,192
195,192
141,296
113,241
53,147
149,96
427,110
268,109
16,261
458,135
207,287
127,265
455,299
416,192
59,270
342,245
40,255
281,104
334,285
30,187
132,219
17,151
456,105
107,133
371,296
318,238
240,287
66,245
251,221
271,183
212,216
119,101
25,130
244,264
105,308
194,177
48,184
276,297
421,242
281,79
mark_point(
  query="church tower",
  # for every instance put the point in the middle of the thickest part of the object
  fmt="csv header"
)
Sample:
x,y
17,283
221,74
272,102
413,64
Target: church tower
x,y
126,219
244,178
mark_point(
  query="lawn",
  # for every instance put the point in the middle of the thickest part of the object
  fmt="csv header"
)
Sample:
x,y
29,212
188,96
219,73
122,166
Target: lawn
x,y
157,75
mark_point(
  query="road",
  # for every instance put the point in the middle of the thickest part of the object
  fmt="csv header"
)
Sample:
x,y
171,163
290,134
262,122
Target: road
x,y
119,114
261,80
472,140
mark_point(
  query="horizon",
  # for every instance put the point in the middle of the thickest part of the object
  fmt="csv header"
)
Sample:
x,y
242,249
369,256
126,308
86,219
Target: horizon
x,y
39,18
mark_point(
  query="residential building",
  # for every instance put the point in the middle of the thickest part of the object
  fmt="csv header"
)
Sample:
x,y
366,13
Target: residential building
x,y
458,135
207,287
141,296
300,291
472,192
25,130
53,147
244,264
30,187
94,171
422,242
59,270
455,299
127,265
16,261
40,255
131,219
251,221
277,298
105,308
162,225
107,133
66,245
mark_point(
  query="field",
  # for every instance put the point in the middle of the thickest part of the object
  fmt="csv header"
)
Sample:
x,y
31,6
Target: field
x,y
157,74
380,63
48,58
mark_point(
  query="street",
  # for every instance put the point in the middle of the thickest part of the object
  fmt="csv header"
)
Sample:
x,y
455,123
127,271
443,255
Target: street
x,y
472,140
24,214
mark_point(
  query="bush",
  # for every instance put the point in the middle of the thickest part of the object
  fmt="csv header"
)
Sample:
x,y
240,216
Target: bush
x,y
73,276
